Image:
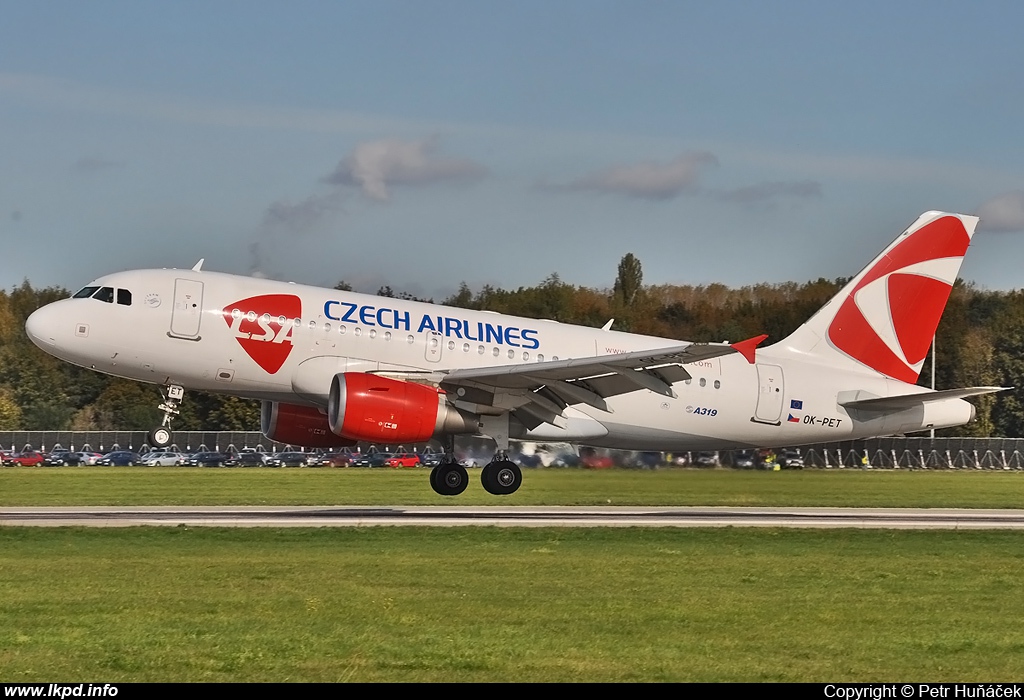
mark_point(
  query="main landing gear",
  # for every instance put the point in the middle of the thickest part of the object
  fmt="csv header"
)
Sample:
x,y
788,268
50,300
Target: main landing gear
x,y
501,476
161,436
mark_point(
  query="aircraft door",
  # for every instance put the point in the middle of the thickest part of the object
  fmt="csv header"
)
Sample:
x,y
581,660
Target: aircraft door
x,y
435,344
769,394
188,309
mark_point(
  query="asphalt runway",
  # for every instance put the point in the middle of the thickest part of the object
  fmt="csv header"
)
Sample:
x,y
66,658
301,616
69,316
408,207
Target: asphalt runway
x,y
515,516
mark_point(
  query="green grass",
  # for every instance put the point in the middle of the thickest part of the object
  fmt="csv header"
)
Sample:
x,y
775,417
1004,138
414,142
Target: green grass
x,y
184,486
508,604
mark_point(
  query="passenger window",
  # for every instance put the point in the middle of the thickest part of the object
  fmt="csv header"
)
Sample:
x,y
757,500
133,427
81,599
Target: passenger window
x,y
105,294
124,297
85,292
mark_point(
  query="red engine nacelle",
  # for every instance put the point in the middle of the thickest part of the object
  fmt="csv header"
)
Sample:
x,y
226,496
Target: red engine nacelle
x,y
298,425
378,409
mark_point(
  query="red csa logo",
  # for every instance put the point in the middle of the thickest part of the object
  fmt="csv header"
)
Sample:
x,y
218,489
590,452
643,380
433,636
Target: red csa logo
x,y
888,320
263,326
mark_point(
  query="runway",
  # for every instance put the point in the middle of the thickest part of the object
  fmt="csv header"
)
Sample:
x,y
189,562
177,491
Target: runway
x,y
514,516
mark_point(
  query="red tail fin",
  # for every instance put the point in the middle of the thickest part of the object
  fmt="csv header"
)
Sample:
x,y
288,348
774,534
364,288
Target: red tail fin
x,y
885,317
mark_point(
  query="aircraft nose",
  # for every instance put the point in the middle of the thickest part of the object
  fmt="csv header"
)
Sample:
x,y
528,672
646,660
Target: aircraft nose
x,y
39,327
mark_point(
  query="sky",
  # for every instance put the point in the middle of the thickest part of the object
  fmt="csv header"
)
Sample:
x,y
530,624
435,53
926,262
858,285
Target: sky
x,y
420,144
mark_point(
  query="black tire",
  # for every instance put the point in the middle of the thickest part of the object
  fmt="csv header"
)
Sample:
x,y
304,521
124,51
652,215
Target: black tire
x,y
433,479
160,437
502,478
450,479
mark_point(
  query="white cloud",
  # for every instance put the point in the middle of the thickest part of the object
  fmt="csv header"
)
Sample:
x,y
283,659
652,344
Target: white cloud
x,y
773,190
648,180
1004,212
374,166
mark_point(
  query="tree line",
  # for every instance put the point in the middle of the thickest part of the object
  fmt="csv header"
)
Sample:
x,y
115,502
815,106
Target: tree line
x,y
980,341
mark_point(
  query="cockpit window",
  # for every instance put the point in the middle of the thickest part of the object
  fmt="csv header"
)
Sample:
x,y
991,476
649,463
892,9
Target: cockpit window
x,y
124,297
105,294
85,292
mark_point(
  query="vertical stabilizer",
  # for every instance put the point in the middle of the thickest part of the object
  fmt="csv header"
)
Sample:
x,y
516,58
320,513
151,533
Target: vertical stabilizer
x,y
885,317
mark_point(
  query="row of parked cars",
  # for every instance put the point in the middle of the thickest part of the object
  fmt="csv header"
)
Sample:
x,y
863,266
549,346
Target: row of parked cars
x,y
246,458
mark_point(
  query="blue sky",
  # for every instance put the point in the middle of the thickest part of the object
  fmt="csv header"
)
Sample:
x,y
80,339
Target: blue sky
x,y
420,144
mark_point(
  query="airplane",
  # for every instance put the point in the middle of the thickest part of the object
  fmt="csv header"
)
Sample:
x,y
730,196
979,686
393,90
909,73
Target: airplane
x,y
333,368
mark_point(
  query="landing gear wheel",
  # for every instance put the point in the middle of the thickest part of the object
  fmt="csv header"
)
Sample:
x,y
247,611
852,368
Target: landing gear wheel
x,y
502,478
449,479
160,437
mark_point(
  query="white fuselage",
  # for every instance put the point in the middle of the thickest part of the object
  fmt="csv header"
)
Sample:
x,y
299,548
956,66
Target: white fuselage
x,y
284,342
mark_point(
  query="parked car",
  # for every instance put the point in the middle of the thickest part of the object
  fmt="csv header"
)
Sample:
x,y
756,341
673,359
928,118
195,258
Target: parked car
x,y
121,458
431,459
58,458
743,459
86,458
336,459
706,459
28,458
791,459
208,459
248,459
377,459
163,459
404,459
291,459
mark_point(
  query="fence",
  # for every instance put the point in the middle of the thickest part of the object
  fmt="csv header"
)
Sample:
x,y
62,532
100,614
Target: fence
x,y
137,441
880,453
918,453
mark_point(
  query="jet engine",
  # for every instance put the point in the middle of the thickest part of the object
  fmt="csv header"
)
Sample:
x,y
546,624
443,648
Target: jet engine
x,y
298,425
379,409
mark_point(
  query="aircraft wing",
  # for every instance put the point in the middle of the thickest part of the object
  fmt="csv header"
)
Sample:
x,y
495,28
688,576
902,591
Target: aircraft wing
x,y
550,386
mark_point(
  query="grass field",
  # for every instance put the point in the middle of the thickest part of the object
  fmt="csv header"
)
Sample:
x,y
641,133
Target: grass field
x,y
52,486
505,604
509,604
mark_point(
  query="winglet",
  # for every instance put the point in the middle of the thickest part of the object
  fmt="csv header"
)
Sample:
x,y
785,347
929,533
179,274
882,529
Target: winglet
x,y
747,347
199,265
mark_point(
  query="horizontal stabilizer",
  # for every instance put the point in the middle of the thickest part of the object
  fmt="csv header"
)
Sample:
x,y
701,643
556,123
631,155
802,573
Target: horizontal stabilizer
x,y
904,401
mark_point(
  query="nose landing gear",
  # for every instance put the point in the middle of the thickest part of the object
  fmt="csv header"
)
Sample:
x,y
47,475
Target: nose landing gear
x,y
162,435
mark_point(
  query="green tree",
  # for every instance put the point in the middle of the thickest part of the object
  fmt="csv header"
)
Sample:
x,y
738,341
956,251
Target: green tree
x,y
10,411
233,413
629,280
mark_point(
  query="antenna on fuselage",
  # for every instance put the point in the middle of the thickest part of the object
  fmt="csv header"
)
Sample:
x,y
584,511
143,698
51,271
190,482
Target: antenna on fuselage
x,y
608,326
198,267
